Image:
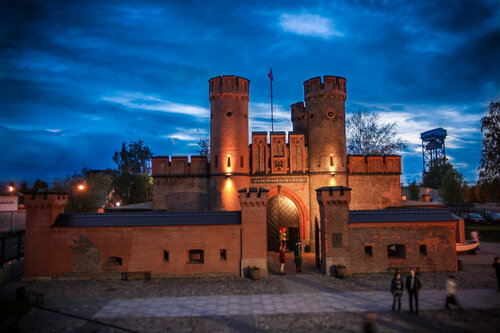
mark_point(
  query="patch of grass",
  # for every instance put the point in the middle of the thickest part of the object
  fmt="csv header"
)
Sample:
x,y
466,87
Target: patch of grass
x,y
12,310
487,233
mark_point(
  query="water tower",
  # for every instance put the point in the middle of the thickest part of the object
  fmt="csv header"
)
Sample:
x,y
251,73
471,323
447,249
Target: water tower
x,y
433,150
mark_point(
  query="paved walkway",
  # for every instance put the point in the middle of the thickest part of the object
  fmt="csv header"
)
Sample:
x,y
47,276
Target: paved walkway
x,y
208,306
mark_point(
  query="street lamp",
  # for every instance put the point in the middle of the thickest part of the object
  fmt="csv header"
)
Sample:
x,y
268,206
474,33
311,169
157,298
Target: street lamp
x,y
11,188
81,187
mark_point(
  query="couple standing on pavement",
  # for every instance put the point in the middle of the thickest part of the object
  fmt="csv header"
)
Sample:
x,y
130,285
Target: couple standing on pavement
x,y
413,286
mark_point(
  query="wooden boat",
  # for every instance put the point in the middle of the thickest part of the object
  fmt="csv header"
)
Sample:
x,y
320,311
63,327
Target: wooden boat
x,y
466,247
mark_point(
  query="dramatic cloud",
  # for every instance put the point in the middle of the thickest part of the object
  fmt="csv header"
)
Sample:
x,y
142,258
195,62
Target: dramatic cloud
x,y
78,78
309,25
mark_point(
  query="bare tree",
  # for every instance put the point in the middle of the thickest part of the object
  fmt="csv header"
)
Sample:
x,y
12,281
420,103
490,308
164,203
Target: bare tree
x,y
367,136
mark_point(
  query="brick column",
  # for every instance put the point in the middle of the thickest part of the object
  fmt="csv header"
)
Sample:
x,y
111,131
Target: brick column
x,y
41,211
253,203
334,213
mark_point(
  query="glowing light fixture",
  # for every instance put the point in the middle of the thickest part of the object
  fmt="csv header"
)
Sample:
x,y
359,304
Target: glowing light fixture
x,y
118,204
81,187
11,188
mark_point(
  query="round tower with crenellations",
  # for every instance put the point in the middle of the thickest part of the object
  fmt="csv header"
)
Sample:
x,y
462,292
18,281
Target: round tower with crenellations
x,y
326,139
325,107
229,152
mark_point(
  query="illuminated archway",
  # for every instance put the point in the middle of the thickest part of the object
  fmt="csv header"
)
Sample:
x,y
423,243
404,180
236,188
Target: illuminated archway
x,y
303,212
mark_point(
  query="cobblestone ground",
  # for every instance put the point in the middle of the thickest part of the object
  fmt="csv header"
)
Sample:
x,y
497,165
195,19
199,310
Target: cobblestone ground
x,y
86,298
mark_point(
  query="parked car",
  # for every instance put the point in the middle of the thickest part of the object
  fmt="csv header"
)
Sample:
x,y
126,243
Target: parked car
x,y
492,217
473,218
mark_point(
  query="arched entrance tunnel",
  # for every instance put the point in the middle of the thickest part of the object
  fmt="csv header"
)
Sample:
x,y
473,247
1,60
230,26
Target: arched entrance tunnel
x,y
282,213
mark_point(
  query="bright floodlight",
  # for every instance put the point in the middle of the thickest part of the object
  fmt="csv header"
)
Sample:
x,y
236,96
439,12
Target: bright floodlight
x,y
81,187
117,204
11,189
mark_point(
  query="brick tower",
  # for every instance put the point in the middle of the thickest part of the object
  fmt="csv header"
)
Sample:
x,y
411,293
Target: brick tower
x,y
229,152
322,119
42,210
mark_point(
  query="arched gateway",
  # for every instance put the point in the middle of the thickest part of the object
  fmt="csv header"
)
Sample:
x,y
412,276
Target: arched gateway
x,y
282,214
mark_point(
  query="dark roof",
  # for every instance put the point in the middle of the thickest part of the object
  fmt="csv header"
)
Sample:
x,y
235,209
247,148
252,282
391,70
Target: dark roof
x,y
401,215
147,219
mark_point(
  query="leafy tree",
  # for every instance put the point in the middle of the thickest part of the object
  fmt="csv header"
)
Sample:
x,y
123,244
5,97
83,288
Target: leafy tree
x,y
39,186
453,187
367,136
133,183
489,170
204,147
97,186
434,176
414,190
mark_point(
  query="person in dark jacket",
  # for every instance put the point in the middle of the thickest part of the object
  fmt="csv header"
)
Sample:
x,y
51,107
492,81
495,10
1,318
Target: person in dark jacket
x,y
397,288
496,265
413,286
298,257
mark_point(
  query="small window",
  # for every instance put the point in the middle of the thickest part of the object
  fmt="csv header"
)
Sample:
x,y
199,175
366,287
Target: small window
x,y
331,160
112,261
229,161
216,161
396,251
195,257
423,249
229,114
165,256
241,162
368,251
223,254
336,241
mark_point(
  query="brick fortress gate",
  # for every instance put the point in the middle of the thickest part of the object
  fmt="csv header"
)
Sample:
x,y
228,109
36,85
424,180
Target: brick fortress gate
x,y
223,212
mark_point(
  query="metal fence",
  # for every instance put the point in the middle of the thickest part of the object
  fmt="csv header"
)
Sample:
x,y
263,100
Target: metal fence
x,y
11,246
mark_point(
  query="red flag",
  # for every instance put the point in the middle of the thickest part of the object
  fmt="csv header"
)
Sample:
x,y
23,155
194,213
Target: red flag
x,y
270,74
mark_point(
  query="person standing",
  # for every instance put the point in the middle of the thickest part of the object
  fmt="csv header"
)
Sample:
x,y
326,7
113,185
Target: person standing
x,y
298,257
474,237
283,239
413,286
496,265
397,288
282,260
451,292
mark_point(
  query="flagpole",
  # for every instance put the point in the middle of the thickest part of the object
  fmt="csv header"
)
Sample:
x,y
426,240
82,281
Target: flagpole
x,y
272,115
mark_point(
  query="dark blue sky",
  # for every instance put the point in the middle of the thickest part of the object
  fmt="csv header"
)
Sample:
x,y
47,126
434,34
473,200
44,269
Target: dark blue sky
x,y
79,77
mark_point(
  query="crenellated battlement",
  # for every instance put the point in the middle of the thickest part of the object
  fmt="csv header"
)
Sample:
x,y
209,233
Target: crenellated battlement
x,y
298,111
163,166
374,164
45,200
332,86
229,86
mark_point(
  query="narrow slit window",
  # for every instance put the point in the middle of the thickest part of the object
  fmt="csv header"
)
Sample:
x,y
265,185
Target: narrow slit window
x,y
229,161
223,254
166,256
241,162
368,251
216,161
423,249
331,160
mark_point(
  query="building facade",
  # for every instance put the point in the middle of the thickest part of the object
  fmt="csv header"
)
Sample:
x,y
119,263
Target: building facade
x,y
290,165
224,213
